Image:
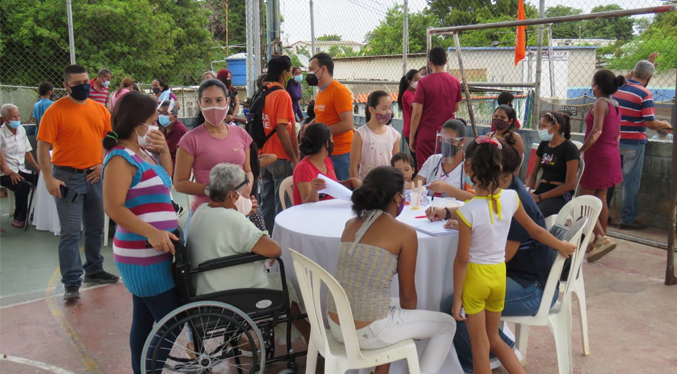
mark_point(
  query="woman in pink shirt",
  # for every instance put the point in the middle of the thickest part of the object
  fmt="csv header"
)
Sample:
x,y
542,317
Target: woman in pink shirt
x,y
125,88
405,100
211,143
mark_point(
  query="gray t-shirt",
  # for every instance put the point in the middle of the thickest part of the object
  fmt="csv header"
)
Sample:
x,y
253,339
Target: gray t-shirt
x,y
221,232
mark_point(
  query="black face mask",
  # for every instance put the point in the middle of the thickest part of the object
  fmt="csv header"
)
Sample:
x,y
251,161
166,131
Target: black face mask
x,y
81,91
312,79
156,90
330,149
228,82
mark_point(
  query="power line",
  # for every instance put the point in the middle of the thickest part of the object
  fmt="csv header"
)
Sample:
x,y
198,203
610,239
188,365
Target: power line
x,y
367,7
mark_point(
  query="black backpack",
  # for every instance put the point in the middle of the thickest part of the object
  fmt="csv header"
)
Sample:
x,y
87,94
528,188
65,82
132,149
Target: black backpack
x,y
255,126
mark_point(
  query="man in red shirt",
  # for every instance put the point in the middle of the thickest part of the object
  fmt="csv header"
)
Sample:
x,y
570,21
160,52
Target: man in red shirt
x,y
171,128
437,98
99,87
278,116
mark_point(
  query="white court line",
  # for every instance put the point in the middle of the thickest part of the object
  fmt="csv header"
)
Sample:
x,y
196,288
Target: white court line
x,y
36,364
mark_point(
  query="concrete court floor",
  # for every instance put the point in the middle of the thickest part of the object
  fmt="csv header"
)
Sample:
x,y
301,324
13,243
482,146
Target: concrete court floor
x,y
631,314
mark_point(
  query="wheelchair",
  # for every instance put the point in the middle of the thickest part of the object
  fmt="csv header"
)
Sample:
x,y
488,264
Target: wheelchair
x,y
229,331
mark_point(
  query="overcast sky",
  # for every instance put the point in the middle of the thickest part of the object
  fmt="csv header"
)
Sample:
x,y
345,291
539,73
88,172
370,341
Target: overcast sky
x,y
352,19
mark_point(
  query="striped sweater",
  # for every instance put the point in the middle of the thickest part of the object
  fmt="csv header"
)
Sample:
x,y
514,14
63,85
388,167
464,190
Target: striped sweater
x,y
145,271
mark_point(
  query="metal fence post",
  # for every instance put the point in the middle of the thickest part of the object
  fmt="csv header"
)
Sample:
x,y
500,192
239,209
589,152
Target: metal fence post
x,y
670,267
405,38
539,62
471,114
251,37
71,37
312,37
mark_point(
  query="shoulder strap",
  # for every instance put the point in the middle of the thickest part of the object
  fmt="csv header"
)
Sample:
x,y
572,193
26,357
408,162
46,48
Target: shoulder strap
x,y
371,218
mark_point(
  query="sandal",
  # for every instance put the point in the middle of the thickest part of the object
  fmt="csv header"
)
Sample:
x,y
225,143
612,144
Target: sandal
x,y
601,248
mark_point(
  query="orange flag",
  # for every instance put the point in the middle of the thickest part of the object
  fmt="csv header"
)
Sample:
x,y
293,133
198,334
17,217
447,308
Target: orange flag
x,y
520,39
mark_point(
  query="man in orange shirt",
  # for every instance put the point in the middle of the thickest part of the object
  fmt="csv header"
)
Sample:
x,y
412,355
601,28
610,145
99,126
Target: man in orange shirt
x,y
278,116
334,108
74,127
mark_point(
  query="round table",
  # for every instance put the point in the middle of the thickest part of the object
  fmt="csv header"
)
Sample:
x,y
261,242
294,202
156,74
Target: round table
x,y
315,230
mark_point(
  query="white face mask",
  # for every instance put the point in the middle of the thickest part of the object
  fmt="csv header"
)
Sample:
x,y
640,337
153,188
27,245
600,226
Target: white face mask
x,y
141,139
414,84
243,205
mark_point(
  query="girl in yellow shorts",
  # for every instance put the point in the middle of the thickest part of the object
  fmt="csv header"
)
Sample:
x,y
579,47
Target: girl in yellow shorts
x,y
479,267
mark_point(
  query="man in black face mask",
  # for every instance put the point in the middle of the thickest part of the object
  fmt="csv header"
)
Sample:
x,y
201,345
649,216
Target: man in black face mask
x,y
74,128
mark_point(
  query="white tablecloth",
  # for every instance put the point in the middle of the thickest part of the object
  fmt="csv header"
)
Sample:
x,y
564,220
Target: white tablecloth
x,y
45,216
315,231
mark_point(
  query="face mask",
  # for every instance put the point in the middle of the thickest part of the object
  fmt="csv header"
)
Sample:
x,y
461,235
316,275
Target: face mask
x,y
215,114
400,207
449,150
498,124
468,181
228,82
330,149
544,135
414,84
243,205
156,90
14,124
105,83
312,79
164,120
298,78
383,118
141,139
81,91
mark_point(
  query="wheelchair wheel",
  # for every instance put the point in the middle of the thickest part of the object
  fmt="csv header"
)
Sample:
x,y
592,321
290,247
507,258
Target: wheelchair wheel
x,y
205,337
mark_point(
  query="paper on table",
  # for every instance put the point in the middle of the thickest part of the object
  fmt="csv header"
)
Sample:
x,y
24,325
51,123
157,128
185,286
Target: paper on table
x,y
335,189
431,228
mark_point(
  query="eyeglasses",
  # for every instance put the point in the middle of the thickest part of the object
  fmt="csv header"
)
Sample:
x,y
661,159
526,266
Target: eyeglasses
x,y
244,183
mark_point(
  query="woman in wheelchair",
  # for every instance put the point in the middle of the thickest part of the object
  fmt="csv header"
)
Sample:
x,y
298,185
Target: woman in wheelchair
x,y
221,229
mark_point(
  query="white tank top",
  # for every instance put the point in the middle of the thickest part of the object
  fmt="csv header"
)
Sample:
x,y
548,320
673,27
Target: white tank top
x,y
377,150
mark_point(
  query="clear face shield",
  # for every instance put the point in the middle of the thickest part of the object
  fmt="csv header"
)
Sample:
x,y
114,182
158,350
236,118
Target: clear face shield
x,y
162,103
447,145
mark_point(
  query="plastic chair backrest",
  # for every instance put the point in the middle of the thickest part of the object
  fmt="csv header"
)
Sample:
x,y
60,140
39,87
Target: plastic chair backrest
x,y
310,276
572,236
581,169
587,206
577,144
287,189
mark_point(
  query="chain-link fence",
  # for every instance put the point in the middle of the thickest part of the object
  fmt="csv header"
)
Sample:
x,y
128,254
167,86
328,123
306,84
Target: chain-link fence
x,y
177,40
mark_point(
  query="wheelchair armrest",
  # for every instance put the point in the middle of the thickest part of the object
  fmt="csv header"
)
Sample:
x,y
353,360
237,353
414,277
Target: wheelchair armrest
x,y
223,262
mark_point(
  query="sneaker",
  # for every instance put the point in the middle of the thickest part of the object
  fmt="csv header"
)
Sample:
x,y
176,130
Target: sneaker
x,y
602,249
102,278
634,225
19,224
72,293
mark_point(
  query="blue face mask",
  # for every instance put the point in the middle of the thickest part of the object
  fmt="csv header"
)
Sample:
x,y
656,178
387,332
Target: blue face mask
x,y
544,135
468,181
164,120
14,124
298,78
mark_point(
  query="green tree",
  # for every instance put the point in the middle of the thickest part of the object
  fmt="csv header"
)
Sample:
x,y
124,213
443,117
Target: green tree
x,y
566,30
237,18
329,38
661,37
608,28
143,39
386,38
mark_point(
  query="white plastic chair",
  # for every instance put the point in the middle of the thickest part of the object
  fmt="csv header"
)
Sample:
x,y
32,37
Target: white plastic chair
x,y
10,202
581,169
589,207
286,189
577,144
106,223
557,317
340,357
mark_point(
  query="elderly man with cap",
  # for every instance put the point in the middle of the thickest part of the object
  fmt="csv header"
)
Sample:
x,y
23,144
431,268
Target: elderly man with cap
x,y
14,151
278,116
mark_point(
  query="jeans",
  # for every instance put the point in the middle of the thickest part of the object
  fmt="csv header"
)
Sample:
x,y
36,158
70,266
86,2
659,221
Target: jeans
x,y
147,311
21,192
402,324
271,179
519,301
341,166
86,212
633,162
